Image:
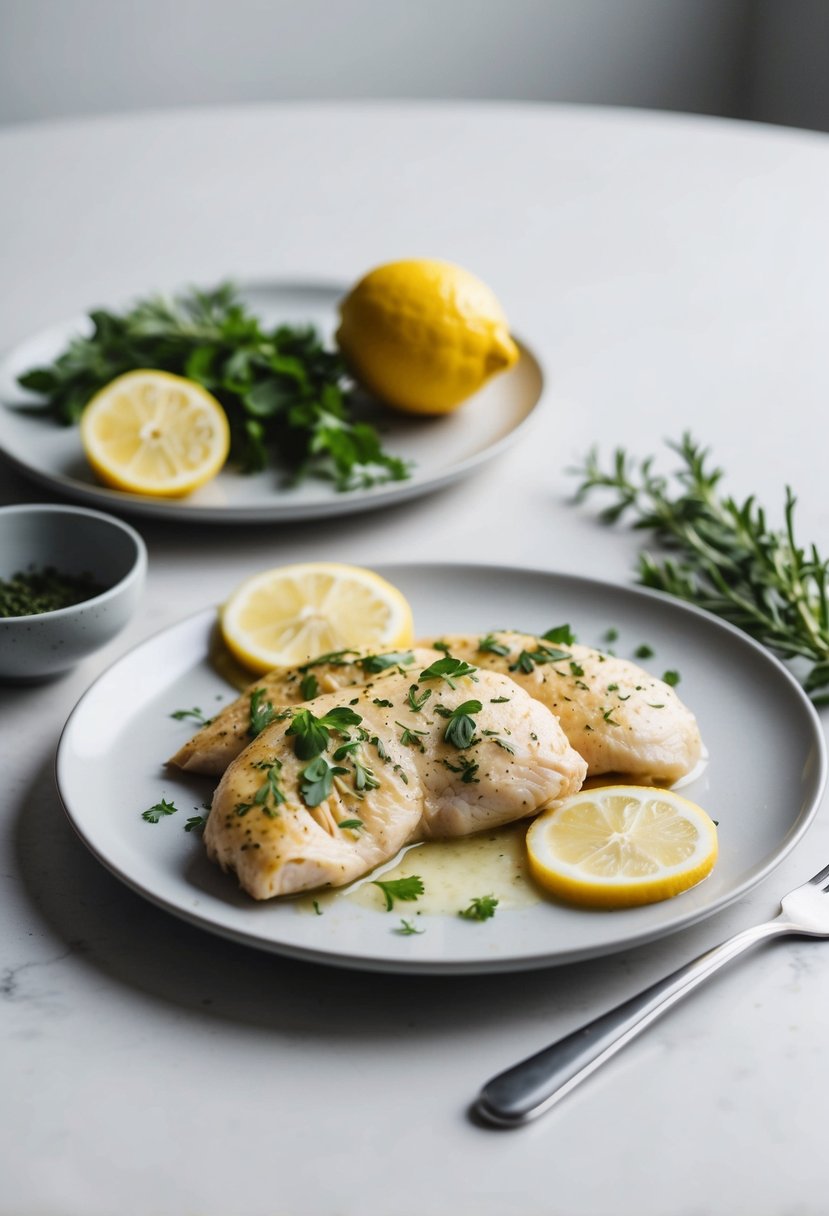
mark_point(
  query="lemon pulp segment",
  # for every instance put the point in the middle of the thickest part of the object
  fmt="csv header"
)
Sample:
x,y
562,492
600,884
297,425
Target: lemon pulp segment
x,y
622,845
154,433
424,335
291,614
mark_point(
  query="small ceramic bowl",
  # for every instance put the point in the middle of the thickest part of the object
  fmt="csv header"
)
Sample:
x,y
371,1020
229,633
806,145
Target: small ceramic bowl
x,y
74,541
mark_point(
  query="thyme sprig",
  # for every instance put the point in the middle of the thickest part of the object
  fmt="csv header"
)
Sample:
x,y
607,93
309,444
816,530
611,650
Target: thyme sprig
x,y
723,555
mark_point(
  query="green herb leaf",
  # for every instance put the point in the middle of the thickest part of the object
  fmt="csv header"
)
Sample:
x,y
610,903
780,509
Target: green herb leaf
x,y
309,687
262,713
311,734
491,645
283,392
671,677
154,813
407,928
448,669
400,888
481,908
317,780
196,823
195,714
562,634
374,663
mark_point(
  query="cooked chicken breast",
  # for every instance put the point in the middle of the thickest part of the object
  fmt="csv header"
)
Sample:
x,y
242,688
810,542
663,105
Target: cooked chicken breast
x,y
415,756
617,716
213,747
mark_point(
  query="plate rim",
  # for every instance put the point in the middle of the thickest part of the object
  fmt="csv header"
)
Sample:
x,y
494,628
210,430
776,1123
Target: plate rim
x,y
499,965
354,502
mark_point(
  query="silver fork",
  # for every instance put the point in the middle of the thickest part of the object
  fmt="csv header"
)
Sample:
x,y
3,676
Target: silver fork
x,y
530,1088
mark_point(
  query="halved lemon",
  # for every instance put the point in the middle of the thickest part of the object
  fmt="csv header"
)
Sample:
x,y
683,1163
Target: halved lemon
x,y
153,433
621,845
284,617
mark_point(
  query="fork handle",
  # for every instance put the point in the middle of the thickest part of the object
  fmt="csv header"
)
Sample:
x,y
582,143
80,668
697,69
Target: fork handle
x,y
537,1083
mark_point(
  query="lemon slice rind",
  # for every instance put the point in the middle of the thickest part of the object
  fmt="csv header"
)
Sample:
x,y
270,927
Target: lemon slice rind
x,y
285,616
622,846
153,433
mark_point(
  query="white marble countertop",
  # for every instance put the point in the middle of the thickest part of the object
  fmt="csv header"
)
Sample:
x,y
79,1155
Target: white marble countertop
x,y
672,274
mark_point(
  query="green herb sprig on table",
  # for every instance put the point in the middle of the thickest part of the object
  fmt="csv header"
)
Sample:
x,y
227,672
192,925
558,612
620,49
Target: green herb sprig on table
x,y
287,398
724,556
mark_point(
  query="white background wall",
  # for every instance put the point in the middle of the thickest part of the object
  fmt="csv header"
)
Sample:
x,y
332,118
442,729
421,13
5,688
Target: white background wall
x,y
743,58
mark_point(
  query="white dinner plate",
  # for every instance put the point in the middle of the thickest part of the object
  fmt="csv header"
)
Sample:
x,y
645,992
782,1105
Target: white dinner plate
x,y
441,449
763,781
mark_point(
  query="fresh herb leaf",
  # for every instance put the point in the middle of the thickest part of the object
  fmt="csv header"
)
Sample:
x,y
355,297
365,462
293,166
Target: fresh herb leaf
x,y
383,702
311,734
448,669
364,778
671,677
528,659
352,825
333,658
407,928
644,651
317,780
195,714
154,813
410,737
287,398
491,645
309,687
481,908
270,795
196,823
461,726
262,713
417,699
374,663
400,888
467,769
562,634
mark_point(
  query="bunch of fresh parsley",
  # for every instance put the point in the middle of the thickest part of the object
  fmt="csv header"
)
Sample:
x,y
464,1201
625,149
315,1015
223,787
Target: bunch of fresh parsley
x,y
287,398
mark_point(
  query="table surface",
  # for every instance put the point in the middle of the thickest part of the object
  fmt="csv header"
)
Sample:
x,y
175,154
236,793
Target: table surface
x,y
671,273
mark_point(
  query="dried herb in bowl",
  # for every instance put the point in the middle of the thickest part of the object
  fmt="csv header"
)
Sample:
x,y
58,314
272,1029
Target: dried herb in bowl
x,y
34,591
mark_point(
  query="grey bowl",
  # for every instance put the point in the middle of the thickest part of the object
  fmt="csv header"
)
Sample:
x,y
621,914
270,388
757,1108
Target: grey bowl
x,y
73,540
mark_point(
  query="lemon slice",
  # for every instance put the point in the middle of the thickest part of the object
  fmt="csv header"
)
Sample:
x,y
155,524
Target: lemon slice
x,y
153,433
621,845
284,617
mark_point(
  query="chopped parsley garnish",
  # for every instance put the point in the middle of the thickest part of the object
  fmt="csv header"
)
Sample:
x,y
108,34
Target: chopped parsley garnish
x,y
406,928
481,908
353,825
262,713
195,713
467,769
407,889
317,780
671,677
499,700
382,702
162,808
461,726
311,734
417,699
448,669
440,645
269,796
364,778
491,645
576,669
309,687
336,658
610,635
562,634
528,659
317,908
607,714
195,823
411,737
374,663
644,651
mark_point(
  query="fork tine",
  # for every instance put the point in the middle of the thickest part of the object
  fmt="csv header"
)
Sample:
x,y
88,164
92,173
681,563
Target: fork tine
x,y
820,879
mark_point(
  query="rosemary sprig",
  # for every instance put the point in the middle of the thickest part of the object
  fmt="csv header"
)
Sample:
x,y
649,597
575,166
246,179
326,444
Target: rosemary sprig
x,y
723,555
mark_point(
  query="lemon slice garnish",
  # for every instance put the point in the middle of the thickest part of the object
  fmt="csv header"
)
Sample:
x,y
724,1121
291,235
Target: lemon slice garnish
x,y
153,433
286,616
621,845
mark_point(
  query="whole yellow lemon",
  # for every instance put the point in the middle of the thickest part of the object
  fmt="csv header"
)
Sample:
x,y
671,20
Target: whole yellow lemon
x,y
423,335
